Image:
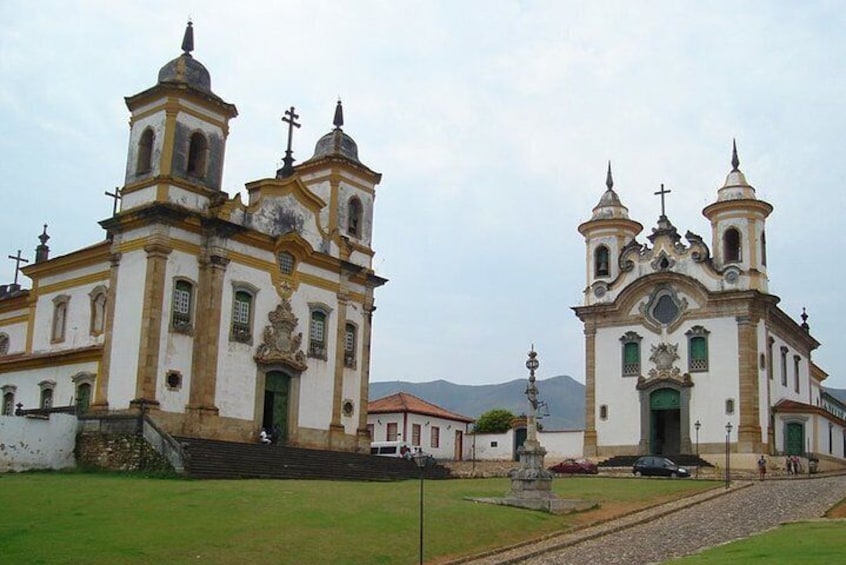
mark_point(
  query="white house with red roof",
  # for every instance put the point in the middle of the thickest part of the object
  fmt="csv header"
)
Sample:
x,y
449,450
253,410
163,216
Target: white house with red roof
x,y
405,417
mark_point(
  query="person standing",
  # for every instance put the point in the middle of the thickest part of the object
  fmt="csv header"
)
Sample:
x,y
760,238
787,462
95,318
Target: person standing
x,y
762,468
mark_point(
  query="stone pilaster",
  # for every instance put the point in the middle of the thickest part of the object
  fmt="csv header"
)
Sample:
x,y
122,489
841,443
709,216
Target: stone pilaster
x,y
206,337
336,428
364,387
590,448
749,426
101,392
152,320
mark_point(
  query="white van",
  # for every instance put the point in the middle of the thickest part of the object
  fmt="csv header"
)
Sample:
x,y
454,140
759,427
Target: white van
x,y
388,448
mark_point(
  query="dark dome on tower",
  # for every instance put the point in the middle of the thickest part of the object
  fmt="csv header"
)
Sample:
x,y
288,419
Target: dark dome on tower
x,y
336,142
185,69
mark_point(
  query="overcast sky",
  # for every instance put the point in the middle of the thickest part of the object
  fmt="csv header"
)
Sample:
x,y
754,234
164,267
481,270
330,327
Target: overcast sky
x,y
492,123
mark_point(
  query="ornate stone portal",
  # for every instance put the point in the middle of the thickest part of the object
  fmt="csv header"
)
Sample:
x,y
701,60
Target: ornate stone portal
x,y
279,343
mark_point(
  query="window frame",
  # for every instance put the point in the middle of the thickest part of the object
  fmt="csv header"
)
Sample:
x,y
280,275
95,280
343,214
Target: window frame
x,y
631,340
58,326
416,434
318,347
435,437
99,301
695,335
783,350
350,356
796,361
5,343
284,269
241,331
182,321
47,394
391,431
8,400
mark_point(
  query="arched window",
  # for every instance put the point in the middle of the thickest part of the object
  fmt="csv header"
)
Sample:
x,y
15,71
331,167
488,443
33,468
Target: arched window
x,y
8,400
98,310
317,334
697,348
198,152
631,354
349,345
60,318
83,397
183,298
144,162
46,401
354,210
4,344
242,316
731,246
600,262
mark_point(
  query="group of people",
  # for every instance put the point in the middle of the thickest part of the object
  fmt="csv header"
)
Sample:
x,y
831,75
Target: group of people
x,y
793,465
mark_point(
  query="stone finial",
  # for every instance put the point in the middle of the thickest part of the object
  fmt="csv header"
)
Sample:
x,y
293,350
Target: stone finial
x,y
42,252
609,180
804,317
735,162
188,39
338,120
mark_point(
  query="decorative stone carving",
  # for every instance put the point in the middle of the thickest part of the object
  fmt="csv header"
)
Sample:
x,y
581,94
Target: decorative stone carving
x,y
280,344
664,355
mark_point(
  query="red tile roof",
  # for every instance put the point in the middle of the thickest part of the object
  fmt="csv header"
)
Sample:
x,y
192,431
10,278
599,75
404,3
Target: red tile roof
x,y
404,402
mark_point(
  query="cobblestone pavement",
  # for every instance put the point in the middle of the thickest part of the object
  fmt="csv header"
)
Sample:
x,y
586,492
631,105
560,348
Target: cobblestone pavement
x,y
684,527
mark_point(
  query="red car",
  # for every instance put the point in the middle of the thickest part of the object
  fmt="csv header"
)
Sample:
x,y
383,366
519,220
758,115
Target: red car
x,y
575,466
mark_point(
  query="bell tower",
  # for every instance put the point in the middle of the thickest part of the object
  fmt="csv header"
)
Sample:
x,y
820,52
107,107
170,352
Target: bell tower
x,y
177,136
606,234
738,236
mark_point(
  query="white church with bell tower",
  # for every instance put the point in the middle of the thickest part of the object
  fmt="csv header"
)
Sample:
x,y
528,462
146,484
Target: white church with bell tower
x,y
684,345
215,316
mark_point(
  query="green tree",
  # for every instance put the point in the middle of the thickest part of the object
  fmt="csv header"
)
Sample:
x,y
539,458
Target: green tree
x,y
494,421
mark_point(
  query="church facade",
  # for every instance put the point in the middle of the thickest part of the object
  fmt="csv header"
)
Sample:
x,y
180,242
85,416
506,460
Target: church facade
x,y
685,347
218,317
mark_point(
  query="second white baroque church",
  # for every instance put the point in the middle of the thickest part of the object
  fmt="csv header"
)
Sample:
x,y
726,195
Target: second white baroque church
x,y
686,347
219,317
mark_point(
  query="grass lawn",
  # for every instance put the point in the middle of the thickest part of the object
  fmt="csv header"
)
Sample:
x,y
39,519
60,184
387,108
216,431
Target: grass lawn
x,y
802,542
103,518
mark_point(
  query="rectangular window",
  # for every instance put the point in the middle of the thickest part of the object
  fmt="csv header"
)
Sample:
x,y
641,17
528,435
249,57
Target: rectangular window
x,y
631,359
415,434
182,296
8,403
698,354
436,436
392,432
796,359
317,335
349,346
241,316
286,263
370,430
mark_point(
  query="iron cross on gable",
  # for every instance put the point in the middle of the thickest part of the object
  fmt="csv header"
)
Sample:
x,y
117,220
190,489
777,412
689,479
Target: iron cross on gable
x,y
116,195
662,192
18,260
289,118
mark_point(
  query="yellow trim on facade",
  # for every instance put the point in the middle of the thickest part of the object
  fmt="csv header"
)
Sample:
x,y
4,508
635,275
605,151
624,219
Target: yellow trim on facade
x,y
14,320
54,358
75,282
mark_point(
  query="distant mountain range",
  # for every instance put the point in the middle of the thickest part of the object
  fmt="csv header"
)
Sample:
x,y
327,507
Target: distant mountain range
x,y
564,397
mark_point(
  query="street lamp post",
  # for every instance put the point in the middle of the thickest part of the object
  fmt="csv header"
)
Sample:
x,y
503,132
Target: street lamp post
x,y
697,425
728,459
421,460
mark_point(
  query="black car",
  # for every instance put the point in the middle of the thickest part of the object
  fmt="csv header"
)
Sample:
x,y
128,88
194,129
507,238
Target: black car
x,y
656,466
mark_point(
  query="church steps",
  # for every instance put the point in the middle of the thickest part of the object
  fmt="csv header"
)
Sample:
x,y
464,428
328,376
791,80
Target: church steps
x,y
212,459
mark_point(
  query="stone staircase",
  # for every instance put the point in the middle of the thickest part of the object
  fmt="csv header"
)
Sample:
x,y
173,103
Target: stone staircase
x,y
212,459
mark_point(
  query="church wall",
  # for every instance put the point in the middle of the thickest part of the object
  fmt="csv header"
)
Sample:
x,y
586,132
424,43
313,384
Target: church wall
x,y
30,443
784,369
345,193
129,200
77,331
186,125
126,337
28,391
187,198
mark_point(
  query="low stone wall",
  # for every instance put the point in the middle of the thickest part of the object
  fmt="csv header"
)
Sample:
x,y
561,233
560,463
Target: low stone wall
x,y
28,443
118,452
480,469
